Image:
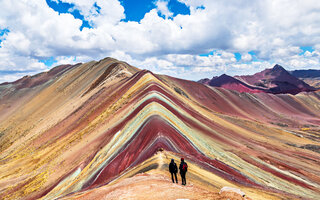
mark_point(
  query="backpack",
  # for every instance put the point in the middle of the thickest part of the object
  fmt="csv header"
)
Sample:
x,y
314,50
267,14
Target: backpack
x,y
184,167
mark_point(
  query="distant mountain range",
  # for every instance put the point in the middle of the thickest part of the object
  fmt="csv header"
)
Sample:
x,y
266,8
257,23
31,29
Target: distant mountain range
x,y
275,80
308,73
310,76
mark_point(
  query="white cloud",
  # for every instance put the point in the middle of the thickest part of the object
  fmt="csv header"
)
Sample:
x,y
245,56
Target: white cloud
x,y
18,42
9,61
162,7
284,52
273,29
307,60
193,67
246,57
110,12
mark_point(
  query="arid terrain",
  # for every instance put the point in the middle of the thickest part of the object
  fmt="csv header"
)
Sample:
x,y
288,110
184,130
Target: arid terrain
x,y
108,130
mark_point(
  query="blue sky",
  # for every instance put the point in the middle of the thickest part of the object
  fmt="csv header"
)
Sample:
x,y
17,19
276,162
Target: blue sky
x,y
190,39
134,10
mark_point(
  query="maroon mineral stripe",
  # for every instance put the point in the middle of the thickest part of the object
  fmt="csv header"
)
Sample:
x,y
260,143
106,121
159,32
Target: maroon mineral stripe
x,y
144,138
15,188
108,135
207,97
49,188
297,105
215,101
278,164
276,173
206,121
285,151
94,106
155,87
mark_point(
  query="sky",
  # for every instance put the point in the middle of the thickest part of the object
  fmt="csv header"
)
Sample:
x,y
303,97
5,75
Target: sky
x,y
190,39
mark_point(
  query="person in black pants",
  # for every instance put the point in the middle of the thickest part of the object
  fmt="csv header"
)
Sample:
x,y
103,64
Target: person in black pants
x,y
183,170
173,170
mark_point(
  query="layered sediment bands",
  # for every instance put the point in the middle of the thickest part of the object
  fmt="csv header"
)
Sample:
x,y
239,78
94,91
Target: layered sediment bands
x,y
103,122
292,110
276,81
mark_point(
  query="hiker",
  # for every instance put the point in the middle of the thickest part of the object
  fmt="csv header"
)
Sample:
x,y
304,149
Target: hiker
x,y
183,170
173,170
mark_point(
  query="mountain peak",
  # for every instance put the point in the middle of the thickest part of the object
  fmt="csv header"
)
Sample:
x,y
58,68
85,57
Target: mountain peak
x,y
278,67
273,80
225,75
111,69
223,79
121,136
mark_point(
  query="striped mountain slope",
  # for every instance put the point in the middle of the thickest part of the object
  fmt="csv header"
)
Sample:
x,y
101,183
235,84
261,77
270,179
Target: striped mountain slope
x,y
93,130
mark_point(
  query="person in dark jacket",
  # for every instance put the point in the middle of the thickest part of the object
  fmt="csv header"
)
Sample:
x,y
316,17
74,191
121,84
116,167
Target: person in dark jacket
x,y
183,170
173,170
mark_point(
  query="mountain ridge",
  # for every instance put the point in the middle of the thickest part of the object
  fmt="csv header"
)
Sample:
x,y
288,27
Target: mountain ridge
x,y
73,141
275,80
229,82
306,73
310,76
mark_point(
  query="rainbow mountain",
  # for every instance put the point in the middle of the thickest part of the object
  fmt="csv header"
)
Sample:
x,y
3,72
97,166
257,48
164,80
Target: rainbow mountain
x,y
108,130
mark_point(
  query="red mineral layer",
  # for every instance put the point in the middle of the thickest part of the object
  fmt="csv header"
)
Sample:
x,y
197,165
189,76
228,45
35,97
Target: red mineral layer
x,y
156,133
277,80
136,157
146,142
96,104
186,120
231,83
278,174
208,97
261,106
